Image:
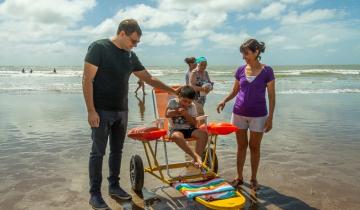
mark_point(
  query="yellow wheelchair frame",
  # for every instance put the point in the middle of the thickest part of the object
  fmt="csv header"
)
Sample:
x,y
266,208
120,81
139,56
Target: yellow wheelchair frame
x,y
210,163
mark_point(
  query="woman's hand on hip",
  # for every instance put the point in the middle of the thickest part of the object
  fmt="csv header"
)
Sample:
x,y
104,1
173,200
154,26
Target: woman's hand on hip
x,y
220,106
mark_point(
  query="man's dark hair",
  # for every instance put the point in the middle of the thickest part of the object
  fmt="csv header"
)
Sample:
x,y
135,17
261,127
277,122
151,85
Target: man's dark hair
x,y
187,92
129,26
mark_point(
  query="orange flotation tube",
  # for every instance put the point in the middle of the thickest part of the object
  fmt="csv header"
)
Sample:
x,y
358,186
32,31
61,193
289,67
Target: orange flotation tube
x,y
146,133
222,128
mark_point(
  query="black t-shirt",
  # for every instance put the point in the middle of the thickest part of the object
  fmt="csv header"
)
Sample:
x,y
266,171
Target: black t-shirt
x,y
111,82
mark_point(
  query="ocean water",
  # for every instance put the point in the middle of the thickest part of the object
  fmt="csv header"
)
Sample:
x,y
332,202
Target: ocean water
x,y
290,79
310,160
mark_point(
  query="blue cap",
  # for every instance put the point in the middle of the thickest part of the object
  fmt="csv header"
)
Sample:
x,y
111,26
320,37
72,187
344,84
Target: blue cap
x,y
200,59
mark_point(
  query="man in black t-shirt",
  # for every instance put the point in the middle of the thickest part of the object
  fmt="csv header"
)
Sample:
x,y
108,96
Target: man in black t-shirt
x,y
108,66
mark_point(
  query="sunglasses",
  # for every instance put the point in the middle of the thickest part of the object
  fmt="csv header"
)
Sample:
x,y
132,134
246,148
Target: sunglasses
x,y
133,41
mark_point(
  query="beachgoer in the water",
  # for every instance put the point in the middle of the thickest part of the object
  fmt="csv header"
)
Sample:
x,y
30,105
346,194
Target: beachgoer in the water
x,y
200,81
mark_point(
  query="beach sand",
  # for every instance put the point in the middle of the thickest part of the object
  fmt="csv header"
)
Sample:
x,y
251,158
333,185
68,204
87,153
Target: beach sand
x,y
309,161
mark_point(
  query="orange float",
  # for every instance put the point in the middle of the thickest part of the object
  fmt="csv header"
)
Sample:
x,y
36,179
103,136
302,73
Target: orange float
x,y
146,133
222,128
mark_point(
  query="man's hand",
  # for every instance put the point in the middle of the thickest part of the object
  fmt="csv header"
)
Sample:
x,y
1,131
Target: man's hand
x,y
93,119
177,90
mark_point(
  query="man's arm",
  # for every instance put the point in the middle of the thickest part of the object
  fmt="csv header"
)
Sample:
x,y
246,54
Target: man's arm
x,y
87,83
154,82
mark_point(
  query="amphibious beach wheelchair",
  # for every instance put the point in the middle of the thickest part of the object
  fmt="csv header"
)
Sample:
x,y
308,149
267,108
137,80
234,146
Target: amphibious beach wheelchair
x,y
204,186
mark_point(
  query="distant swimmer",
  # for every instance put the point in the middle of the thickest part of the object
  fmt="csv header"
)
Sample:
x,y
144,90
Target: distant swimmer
x,y
23,70
54,71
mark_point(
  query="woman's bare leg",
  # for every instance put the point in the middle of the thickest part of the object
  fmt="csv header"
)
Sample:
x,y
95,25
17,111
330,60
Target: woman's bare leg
x,y
254,144
242,144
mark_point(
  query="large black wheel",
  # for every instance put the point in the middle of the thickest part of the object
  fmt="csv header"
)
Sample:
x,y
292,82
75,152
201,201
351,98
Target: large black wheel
x,y
209,163
136,173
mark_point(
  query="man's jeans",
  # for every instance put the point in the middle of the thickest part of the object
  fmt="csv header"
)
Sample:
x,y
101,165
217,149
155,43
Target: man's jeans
x,y
113,125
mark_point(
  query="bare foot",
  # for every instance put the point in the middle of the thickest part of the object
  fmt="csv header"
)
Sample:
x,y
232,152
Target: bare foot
x,y
197,161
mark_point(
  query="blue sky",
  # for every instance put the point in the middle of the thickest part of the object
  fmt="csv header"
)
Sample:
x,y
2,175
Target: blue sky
x,y
295,31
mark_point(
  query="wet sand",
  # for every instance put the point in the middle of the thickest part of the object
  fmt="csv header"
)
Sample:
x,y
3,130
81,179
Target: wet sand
x,y
309,161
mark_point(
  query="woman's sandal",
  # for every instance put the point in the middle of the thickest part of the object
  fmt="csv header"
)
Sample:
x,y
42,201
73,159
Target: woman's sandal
x,y
254,185
237,182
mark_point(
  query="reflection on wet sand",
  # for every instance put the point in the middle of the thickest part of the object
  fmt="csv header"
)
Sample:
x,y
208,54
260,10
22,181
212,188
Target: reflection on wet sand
x,y
141,104
307,161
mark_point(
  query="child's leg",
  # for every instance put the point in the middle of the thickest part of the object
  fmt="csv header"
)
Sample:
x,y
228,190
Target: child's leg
x,y
178,138
201,140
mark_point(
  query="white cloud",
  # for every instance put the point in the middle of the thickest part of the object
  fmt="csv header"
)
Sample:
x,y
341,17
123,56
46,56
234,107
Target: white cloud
x,y
228,40
150,17
273,10
309,16
33,29
301,2
320,39
264,31
277,39
192,43
46,12
30,27
207,5
157,39
295,37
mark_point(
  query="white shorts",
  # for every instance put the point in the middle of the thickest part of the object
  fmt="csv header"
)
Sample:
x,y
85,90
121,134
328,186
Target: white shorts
x,y
255,124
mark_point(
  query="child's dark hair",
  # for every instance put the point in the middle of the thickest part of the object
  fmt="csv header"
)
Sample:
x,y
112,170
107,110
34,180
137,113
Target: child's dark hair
x,y
187,92
253,45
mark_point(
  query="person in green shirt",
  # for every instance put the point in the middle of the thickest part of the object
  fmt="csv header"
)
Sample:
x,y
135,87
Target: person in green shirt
x,y
108,66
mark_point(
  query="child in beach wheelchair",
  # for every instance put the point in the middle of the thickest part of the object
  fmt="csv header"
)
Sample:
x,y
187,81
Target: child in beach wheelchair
x,y
182,112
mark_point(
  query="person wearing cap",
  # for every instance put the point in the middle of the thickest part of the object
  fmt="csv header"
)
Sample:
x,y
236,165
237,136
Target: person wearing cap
x,y
200,81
